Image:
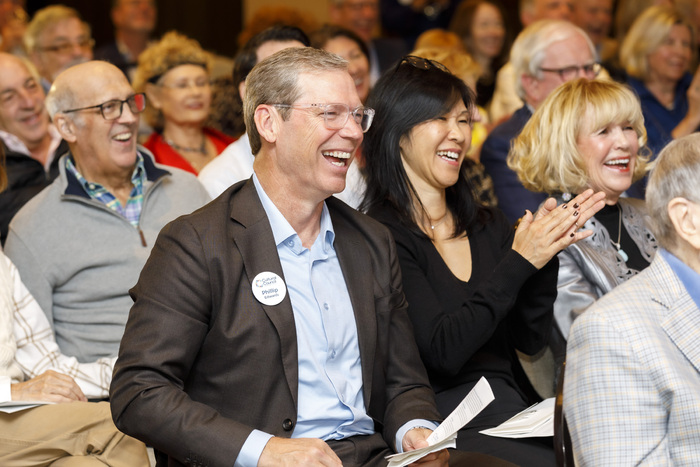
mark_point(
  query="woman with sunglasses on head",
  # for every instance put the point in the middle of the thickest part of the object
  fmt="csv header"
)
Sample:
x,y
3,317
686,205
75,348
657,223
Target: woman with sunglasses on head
x,y
476,288
174,74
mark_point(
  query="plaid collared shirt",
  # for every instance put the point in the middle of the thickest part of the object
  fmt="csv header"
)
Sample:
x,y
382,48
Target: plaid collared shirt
x,y
132,210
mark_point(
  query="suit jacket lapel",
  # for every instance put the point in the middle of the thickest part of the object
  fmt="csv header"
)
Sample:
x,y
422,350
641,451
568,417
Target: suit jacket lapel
x,y
254,240
355,263
682,321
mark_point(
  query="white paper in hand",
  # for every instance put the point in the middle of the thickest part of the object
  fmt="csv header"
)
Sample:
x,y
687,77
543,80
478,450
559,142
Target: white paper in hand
x,y
445,435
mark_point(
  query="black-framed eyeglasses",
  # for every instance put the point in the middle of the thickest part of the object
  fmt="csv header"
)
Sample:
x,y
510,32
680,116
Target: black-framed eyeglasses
x,y
422,63
566,73
335,116
112,110
64,48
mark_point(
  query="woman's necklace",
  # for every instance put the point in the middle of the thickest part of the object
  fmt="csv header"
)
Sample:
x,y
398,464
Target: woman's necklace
x,y
435,224
202,149
617,245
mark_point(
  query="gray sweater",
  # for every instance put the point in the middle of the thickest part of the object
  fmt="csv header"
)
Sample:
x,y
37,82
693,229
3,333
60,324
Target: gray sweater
x,y
79,258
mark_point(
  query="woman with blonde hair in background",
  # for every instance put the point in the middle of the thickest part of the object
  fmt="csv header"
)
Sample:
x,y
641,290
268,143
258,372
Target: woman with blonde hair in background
x,y
658,55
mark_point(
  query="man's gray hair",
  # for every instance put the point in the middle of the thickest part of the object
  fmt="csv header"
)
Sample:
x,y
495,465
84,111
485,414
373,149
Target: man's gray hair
x,y
530,47
676,174
59,100
46,17
274,81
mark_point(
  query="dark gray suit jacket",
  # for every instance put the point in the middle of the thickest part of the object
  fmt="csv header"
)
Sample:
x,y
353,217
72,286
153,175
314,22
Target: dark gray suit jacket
x,y
203,363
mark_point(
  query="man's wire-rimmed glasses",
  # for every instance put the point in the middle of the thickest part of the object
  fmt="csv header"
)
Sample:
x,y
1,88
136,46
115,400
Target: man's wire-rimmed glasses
x,y
335,116
590,70
112,110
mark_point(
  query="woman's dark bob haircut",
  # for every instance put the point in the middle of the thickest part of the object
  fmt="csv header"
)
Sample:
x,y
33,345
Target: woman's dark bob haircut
x,y
416,91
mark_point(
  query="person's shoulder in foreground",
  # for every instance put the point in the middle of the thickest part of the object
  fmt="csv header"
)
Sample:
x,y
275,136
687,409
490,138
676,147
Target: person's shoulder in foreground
x,y
632,384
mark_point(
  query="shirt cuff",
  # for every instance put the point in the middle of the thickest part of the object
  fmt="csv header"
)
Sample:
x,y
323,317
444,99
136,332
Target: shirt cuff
x,y
5,389
252,449
417,423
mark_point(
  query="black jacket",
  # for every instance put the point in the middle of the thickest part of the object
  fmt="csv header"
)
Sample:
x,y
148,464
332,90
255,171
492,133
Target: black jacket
x,y
26,177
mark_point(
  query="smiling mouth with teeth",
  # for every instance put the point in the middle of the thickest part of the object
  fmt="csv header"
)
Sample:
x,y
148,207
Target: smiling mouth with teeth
x,y
123,137
449,155
337,158
618,163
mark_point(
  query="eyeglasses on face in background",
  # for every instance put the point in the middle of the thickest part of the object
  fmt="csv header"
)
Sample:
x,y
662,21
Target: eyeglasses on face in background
x,y
567,73
66,47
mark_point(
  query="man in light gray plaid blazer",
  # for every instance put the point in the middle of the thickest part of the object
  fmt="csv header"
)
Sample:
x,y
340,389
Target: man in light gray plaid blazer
x,y
632,387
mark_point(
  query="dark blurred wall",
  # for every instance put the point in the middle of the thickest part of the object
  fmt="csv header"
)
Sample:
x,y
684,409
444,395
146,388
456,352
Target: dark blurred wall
x,y
214,23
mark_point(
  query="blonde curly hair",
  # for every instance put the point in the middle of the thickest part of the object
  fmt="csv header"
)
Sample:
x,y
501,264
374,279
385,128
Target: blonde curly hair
x,y
173,49
546,156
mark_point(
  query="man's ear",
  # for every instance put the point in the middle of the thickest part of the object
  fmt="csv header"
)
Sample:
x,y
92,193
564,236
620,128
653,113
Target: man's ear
x,y
267,122
66,127
531,86
685,217
241,90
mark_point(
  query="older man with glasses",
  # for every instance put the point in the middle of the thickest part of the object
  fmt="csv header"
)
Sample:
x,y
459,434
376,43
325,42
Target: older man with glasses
x,y
269,327
81,243
56,39
544,55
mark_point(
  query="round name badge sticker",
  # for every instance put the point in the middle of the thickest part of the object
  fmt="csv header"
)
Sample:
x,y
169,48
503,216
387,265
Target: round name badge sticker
x,y
269,288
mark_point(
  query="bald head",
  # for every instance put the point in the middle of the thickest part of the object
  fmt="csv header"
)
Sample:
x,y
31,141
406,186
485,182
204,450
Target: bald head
x,y
82,85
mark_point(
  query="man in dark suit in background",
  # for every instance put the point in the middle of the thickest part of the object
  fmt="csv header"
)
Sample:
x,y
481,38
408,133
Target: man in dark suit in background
x,y
270,325
362,18
134,21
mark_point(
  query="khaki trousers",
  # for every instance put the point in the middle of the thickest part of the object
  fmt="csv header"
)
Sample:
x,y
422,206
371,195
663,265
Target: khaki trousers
x,y
79,434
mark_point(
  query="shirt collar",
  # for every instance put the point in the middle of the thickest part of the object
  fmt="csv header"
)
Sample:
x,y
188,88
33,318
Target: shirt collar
x,y
689,277
282,230
138,176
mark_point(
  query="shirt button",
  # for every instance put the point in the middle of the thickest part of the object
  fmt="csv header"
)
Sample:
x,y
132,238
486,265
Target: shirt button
x,y
332,353
325,306
287,425
290,243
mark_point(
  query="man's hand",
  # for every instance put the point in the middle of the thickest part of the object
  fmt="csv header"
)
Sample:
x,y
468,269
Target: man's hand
x,y
50,386
416,438
298,451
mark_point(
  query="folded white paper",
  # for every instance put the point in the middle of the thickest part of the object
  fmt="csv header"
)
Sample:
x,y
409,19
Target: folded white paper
x,y
445,435
535,421
16,406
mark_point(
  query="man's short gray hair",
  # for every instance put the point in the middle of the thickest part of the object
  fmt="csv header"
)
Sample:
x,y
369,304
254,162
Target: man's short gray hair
x,y
676,174
59,100
46,17
274,81
530,47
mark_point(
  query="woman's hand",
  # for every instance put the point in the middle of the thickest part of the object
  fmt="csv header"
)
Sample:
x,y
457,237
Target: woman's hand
x,y
538,238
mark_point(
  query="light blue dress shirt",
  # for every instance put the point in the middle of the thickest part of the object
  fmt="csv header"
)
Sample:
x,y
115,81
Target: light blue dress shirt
x,y
687,275
330,400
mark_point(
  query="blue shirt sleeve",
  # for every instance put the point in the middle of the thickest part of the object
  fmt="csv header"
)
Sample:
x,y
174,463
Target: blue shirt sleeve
x,y
252,449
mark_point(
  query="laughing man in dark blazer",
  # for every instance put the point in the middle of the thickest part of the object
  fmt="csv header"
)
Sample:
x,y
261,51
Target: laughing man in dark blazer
x,y
270,327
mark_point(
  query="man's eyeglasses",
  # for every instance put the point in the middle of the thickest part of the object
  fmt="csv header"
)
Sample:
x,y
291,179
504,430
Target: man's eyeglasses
x,y
422,63
64,48
112,110
335,116
567,73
